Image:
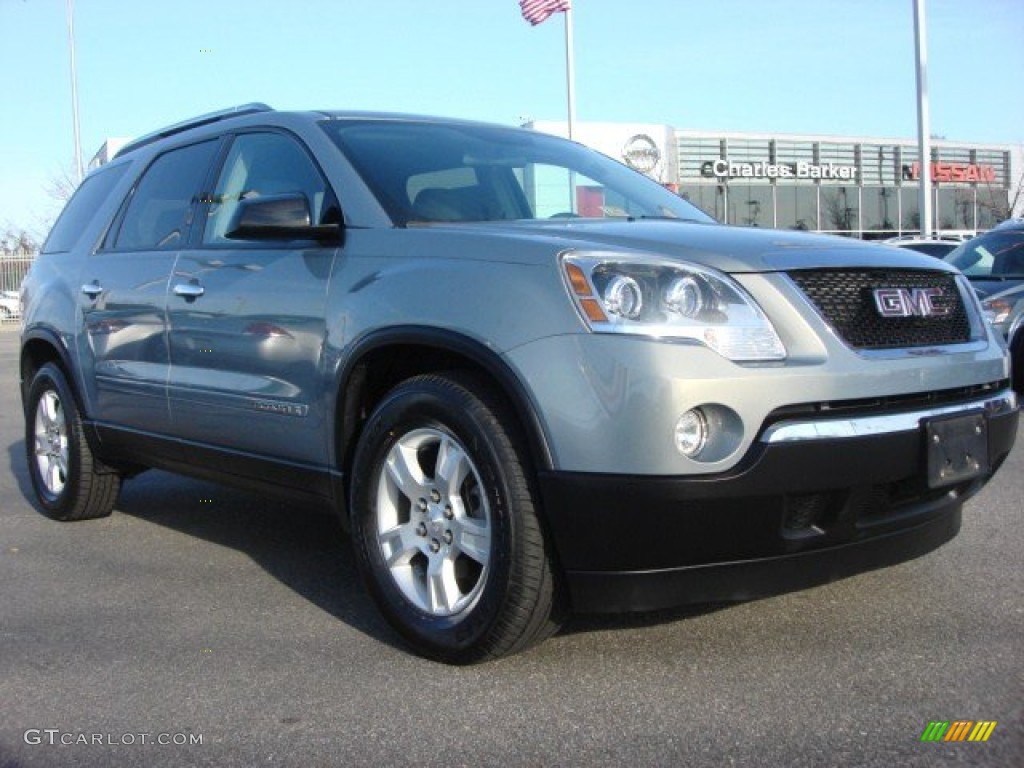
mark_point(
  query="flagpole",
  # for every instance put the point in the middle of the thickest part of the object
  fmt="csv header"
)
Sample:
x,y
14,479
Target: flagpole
x,y
923,135
569,72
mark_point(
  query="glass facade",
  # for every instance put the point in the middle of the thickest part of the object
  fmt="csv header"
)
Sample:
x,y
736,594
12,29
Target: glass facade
x,y
858,188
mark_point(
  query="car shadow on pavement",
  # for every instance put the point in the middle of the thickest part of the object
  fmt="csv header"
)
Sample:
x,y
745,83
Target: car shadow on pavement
x,y
301,545
19,470
599,622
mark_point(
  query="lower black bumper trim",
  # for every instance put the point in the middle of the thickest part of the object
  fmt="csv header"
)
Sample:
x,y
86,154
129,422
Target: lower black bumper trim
x,y
793,515
613,592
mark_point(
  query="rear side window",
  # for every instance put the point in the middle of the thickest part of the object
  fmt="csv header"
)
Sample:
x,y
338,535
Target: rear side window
x,y
161,209
82,207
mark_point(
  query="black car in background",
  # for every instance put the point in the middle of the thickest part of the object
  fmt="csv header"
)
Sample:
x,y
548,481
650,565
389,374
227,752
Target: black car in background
x,y
994,263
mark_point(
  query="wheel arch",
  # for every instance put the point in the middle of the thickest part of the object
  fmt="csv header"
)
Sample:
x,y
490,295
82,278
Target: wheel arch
x,y
1015,342
1015,333
384,358
40,346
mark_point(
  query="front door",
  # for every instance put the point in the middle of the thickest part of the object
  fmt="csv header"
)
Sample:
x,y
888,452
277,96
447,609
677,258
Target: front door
x,y
246,318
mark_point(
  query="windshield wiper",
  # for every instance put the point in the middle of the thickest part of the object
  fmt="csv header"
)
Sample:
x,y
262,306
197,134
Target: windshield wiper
x,y
647,217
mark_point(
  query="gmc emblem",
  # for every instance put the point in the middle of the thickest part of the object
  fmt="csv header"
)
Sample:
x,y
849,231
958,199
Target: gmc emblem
x,y
909,302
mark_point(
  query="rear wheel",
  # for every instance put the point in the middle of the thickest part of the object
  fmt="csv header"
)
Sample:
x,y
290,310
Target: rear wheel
x,y
69,481
445,522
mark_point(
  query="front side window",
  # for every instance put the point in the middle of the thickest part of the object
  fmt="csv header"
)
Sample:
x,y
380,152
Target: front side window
x,y
264,165
430,172
161,208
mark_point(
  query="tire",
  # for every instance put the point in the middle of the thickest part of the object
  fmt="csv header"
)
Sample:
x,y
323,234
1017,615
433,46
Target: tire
x,y
70,483
1017,362
445,525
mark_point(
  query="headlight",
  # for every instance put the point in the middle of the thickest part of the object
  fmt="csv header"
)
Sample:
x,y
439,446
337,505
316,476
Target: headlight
x,y
623,297
997,310
649,296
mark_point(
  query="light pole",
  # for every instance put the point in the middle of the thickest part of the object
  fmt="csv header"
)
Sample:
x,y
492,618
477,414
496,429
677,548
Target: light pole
x,y
74,91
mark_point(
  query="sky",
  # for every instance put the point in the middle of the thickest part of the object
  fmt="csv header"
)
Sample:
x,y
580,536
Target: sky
x,y
833,67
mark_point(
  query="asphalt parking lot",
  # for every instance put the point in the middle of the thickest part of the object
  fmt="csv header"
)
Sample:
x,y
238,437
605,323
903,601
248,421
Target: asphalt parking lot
x,y
201,614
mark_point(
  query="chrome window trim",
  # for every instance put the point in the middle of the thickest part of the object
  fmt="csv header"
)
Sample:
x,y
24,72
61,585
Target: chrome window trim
x,y
866,426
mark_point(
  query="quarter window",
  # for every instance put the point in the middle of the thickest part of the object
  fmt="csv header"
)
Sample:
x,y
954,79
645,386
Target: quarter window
x,y
161,209
82,207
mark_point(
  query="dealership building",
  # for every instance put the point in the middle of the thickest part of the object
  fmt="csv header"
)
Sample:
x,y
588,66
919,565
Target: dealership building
x,y
854,186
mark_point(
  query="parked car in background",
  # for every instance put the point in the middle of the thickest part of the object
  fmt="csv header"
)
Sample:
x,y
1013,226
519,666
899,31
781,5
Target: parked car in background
x,y
938,247
1010,224
994,263
10,306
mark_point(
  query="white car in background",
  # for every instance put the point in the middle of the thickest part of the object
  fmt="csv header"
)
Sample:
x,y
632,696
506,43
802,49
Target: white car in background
x,y
938,246
10,306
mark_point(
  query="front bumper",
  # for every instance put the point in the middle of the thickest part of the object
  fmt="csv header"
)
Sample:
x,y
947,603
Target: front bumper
x,y
813,501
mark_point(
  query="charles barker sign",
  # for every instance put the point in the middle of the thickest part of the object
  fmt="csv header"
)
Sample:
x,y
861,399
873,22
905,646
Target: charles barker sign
x,y
726,169
961,172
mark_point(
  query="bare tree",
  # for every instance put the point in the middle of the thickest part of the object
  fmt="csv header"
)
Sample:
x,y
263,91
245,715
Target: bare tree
x,y
1012,204
62,185
837,210
999,204
17,239
17,242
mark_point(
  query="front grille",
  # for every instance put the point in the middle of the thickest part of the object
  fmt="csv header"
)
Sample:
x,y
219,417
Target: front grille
x,y
845,298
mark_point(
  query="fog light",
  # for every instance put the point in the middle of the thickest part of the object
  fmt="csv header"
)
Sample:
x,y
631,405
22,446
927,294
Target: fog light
x,y
691,434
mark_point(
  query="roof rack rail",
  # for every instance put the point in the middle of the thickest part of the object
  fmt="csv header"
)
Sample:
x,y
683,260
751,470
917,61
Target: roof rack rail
x,y
194,122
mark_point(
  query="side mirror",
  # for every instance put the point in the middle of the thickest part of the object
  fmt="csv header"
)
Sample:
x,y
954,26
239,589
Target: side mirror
x,y
278,217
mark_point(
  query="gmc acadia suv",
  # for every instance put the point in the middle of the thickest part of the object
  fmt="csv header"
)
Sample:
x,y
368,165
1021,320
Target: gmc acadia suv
x,y
530,379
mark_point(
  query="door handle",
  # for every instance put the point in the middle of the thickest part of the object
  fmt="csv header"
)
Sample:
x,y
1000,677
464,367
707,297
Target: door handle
x,y
189,291
92,290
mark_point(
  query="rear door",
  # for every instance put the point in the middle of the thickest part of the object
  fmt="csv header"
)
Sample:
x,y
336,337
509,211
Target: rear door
x,y
124,292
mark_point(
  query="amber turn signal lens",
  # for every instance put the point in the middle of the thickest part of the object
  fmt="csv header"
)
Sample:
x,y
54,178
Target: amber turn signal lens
x,y
578,280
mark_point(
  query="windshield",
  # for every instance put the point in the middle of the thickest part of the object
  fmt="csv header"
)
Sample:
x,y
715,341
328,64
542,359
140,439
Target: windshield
x,y
996,254
430,172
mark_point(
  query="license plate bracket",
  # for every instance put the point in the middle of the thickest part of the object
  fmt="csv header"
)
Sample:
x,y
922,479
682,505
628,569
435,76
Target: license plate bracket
x,y
957,448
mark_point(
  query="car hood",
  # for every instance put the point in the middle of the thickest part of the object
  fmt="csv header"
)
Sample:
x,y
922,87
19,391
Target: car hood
x,y
730,249
993,288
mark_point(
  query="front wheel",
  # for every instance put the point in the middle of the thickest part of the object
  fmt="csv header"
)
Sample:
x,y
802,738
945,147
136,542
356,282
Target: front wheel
x,y
1017,362
445,523
69,481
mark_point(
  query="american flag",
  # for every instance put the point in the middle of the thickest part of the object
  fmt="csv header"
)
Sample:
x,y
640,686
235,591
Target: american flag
x,y
536,11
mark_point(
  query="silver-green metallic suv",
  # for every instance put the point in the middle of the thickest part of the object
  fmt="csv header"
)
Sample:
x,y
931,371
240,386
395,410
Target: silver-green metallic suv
x,y
530,379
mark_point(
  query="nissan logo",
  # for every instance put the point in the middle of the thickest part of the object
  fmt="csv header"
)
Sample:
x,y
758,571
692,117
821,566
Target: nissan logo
x,y
641,153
